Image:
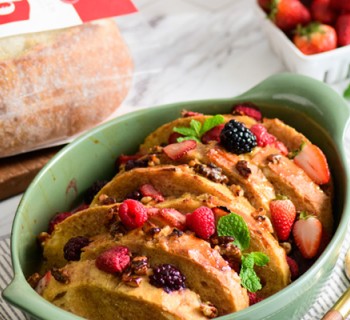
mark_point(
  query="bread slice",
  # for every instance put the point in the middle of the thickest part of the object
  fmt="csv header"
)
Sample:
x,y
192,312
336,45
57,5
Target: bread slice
x,y
207,273
169,180
94,294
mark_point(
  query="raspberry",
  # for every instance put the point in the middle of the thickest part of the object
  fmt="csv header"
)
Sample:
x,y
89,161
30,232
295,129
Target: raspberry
x,y
93,190
173,137
72,249
202,222
263,138
168,277
247,109
59,217
237,138
114,260
132,213
294,268
253,298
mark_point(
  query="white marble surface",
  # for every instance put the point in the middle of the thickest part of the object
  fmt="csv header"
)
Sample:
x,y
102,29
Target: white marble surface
x,y
188,50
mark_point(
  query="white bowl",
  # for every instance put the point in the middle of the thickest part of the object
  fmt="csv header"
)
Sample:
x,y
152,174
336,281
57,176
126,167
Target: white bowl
x,y
331,66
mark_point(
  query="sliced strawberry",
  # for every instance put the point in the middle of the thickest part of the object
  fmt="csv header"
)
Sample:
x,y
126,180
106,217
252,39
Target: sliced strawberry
x,y
219,212
307,233
281,147
282,217
43,282
168,217
123,158
177,150
147,190
247,109
313,161
187,113
173,137
213,134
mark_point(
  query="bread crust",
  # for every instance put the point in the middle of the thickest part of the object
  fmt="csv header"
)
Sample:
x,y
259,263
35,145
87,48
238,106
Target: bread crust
x,y
60,83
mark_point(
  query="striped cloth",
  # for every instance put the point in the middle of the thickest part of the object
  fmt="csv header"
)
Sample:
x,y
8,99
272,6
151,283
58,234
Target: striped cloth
x,y
335,286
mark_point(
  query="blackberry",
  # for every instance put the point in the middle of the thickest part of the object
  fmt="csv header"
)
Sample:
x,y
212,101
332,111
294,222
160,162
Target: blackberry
x,y
237,138
93,190
168,277
139,163
72,249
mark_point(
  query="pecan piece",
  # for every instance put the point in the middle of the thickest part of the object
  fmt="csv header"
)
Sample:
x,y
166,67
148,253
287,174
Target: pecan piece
x,y
243,169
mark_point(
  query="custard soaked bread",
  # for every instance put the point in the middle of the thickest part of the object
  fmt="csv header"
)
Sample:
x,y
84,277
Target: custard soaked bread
x,y
211,209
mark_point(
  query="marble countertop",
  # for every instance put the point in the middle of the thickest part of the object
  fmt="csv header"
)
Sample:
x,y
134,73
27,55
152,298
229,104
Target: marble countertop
x,y
190,50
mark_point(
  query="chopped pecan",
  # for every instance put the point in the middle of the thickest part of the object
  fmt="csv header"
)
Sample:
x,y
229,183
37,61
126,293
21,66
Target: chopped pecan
x,y
211,171
243,169
106,200
209,310
60,275
33,280
139,265
117,229
131,281
274,158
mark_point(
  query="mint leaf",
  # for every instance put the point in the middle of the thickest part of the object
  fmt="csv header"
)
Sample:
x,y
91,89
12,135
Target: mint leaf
x,y
185,131
347,92
212,122
180,139
249,278
196,126
260,259
233,225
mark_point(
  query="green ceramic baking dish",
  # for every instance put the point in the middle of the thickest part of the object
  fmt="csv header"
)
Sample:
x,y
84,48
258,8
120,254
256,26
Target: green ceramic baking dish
x,y
308,105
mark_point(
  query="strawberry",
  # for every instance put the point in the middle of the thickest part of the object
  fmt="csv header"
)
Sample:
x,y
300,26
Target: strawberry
x,y
315,38
147,190
294,268
313,161
281,147
247,109
187,113
265,4
307,233
177,150
168,217
322,11
343,29
282,217
213,134
287,14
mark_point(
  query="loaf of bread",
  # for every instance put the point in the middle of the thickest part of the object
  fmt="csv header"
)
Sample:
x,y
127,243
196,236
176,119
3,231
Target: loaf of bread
x,y
56,84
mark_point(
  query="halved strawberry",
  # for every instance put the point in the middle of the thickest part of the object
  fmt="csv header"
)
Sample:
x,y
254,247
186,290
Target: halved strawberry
x,y
147,190
177,150
307,233
283,214
247,109
313,161
213,134
168,217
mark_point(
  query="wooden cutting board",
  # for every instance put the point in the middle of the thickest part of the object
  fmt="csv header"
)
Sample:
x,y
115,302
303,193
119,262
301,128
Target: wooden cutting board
x,y
17,172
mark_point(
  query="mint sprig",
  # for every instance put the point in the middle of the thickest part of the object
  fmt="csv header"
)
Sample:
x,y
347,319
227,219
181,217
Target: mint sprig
x,y
197,129
249,278
233,225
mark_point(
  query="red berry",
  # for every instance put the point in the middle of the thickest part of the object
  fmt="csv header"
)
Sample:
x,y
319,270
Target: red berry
x,y
114,260
173,137
57,219
313,161
281,147
132,213
253,298
248,109
343,29
147,190
213,134
282,217
322,11
177,150
201,222
307,233
187,113
263,138
294,268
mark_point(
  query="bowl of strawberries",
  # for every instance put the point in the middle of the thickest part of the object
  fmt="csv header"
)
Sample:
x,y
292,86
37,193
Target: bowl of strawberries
x,y
312,37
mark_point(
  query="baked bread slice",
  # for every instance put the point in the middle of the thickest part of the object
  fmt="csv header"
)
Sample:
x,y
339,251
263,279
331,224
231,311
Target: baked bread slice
x,y
203,266
169,180
95,294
